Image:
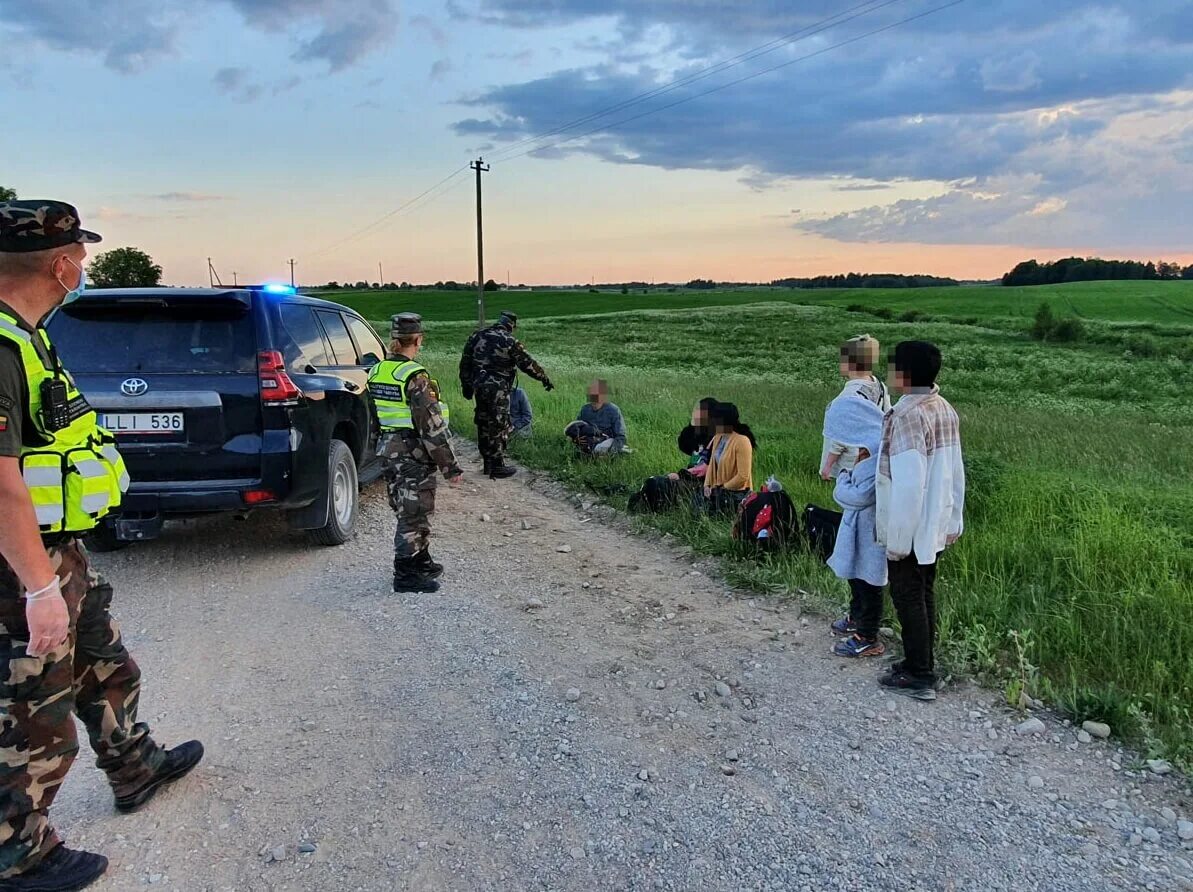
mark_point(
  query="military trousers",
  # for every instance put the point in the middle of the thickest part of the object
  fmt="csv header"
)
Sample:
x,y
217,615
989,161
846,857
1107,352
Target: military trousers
x,y
92,676
411,486
493,423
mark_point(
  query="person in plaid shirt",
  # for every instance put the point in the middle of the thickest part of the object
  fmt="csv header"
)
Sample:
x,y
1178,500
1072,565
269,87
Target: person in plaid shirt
x,y
920,503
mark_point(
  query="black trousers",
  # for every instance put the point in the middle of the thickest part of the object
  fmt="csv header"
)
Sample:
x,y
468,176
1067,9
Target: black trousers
x,y
865,607
913,592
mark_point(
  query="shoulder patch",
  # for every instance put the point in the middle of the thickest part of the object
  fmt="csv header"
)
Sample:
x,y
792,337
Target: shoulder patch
x,y
5,402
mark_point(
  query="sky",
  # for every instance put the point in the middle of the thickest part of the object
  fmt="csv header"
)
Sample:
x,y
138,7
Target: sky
x,y
739,140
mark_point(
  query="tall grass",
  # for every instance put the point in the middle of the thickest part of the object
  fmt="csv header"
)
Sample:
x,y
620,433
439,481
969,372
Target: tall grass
x,y
1079,535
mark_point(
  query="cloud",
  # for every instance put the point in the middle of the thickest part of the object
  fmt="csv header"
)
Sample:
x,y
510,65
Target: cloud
x,y
130,35
437,34
189,197
440,69
234,82
862,187
1018,92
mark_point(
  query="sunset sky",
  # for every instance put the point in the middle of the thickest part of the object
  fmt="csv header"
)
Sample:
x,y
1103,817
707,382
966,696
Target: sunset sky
x,y
958,143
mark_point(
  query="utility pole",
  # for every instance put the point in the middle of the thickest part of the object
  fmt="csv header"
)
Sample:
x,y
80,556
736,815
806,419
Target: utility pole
x,y
480,167
210,275
235,283
291,272
380,275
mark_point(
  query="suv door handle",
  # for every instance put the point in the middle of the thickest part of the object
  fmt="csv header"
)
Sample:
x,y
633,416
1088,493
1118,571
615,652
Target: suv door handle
x,y
354,388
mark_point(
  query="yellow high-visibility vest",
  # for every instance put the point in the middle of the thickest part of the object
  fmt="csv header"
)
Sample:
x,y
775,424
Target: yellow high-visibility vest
x,y
75,474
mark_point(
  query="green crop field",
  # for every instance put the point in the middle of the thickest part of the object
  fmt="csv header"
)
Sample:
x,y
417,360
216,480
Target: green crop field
x,y
1146,303
1074,578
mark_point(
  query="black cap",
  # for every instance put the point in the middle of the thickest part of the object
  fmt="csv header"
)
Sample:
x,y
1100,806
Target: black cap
x,y
405,324
27,226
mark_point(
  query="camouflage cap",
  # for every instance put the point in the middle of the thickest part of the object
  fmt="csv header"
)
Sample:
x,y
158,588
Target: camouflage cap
x,y
37,225
508,318
405,324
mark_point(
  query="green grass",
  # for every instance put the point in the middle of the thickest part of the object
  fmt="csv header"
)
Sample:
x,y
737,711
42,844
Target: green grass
x,y
1142,302
1080,511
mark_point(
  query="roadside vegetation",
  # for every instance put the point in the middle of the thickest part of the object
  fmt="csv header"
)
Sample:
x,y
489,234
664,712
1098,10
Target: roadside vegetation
x,y
1074,580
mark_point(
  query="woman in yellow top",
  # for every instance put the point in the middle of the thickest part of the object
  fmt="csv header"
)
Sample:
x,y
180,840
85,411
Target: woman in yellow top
x,y
730,476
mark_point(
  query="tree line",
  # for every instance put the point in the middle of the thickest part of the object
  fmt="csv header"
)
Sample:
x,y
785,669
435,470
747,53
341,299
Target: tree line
x,y
868,280
1082,269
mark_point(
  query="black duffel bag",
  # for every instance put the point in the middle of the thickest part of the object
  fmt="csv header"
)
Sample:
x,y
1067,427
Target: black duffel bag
x,y
657,494
820,530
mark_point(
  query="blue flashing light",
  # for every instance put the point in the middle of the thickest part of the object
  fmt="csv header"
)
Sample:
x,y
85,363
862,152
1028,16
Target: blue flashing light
x,y
275,288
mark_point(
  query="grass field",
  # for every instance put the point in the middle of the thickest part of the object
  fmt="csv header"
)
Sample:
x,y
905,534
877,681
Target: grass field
x,y
1147,303
1075,576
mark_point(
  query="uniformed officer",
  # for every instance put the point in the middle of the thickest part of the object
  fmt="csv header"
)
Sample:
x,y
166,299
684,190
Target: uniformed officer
x,y
415,443
488,367
61,654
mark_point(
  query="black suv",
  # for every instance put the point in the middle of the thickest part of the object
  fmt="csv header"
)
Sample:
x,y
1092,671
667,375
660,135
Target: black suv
x,y
227,400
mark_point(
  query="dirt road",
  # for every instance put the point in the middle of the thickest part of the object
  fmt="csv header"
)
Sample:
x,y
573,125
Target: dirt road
x,y
604,717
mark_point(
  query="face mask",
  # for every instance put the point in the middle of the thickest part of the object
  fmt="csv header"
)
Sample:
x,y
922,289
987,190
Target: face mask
x,y
73,294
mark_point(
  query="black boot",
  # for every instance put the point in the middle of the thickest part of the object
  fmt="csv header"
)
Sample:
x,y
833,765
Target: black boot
x,y
488,466
61,870
177,764
499,470
430,568
409,577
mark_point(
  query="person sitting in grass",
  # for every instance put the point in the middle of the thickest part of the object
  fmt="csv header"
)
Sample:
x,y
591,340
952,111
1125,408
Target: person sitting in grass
x,y
920,505
730,475
521,415
600,429
693,443
858,357
857,557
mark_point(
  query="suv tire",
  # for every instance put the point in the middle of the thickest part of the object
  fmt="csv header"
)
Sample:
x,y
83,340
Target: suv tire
x,y
343,496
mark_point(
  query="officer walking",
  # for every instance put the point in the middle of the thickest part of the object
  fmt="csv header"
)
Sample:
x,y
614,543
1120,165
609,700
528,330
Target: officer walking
x,y
488,367
414,445
61,654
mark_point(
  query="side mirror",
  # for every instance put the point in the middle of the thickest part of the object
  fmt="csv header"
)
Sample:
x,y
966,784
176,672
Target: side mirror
x,y
369,360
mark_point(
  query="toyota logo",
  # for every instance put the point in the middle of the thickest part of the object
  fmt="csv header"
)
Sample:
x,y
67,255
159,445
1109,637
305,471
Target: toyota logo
x,y
134,387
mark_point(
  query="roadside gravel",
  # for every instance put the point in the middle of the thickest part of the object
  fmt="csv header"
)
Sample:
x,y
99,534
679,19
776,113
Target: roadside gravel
x,y
579,708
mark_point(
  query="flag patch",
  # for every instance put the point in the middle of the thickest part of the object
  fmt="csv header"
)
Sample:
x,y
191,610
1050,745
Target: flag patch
x,y
3,423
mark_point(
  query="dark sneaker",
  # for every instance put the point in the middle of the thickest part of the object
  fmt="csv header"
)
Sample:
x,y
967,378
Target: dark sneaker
x,y
62,870
894,669
177,764
910,686
857,646
429,567
844,626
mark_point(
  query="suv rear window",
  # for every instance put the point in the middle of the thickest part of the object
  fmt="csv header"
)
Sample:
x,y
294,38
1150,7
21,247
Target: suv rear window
x,y
126,338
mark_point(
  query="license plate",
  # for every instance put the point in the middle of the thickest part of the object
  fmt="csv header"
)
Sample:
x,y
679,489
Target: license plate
x,y
144,423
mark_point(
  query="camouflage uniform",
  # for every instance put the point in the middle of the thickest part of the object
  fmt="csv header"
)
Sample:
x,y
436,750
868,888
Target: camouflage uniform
x,y
92,676
488,369
411,460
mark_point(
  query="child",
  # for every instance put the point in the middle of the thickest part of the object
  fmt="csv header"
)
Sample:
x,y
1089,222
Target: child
x,y
921,499
858,357
858,557
600,427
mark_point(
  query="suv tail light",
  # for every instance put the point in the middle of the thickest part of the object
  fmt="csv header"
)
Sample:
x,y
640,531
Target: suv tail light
x,y
276,385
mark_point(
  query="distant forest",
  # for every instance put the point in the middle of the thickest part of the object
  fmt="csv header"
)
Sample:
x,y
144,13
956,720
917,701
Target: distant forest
x,y
868,280
1081,269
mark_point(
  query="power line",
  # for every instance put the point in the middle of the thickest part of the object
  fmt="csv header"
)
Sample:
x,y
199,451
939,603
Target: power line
x,y
819,27
391,214
740,80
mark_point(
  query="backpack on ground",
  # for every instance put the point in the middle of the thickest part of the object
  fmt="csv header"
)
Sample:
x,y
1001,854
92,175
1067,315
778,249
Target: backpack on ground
x,y
768,519
820,530
657,494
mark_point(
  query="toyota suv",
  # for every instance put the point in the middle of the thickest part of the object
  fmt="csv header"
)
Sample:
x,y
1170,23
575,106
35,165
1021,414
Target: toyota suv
x,y
227,400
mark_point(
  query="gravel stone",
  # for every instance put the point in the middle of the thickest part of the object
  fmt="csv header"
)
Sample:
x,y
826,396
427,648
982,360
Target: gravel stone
x,y
1184,830
1096,729
1031,726
564,549
1084,736
723,690
1035,782
572,695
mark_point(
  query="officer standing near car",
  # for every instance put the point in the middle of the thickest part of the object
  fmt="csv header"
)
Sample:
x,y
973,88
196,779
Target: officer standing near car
x,y
415,444
488,367
61,653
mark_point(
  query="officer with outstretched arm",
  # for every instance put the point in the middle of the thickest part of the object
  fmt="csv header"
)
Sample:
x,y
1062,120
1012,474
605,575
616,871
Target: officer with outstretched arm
x,y
488,367
61,654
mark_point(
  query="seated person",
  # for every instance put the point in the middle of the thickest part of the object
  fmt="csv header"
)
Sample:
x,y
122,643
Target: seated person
x,y
599,429
730,475
693,443
521,415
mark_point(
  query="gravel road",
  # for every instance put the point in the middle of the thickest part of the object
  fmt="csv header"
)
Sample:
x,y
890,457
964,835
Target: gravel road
x,y
579,708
